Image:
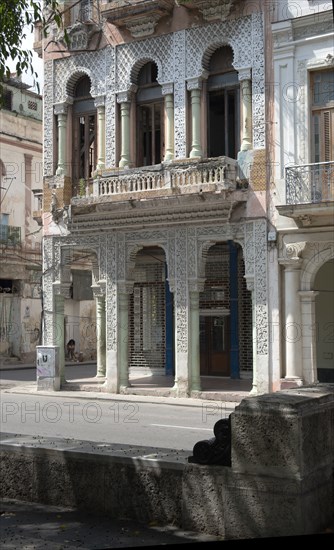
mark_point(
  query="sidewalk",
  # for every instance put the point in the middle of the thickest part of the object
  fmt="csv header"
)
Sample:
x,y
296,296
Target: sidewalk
x,y
157,388
30,525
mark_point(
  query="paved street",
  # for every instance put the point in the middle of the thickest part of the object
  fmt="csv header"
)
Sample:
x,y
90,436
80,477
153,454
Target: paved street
x,y
128,425
96,416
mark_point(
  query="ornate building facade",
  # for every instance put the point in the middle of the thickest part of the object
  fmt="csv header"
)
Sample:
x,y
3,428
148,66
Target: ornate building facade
x,y
158,154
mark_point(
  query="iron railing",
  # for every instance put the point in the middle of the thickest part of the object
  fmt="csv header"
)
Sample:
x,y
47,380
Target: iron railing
x,y
310,183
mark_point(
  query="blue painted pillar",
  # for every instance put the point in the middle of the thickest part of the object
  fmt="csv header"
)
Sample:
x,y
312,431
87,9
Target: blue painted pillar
x,y
169,355
234,352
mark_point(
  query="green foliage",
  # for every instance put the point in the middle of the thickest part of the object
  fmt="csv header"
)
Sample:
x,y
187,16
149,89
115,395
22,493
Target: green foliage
x,y
16,16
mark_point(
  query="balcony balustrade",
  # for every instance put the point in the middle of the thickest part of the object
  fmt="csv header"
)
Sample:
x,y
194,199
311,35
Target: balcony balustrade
x,y
310,183
181,177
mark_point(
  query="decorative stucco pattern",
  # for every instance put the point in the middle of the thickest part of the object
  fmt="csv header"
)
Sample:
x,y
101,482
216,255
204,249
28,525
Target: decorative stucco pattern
x,y
181,294
179,47
92,63
258,90
130,57
48,119
48,304
111,292
261,305
110,109
192,253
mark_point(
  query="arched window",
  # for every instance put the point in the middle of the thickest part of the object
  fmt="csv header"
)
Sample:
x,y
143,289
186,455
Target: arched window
x,y
84,131
223,136
149,117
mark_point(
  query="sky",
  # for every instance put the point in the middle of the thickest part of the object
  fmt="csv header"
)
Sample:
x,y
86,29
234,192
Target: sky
x,y
37,63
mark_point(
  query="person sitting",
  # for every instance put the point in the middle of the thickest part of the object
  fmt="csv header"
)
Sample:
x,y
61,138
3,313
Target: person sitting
x,y
70,348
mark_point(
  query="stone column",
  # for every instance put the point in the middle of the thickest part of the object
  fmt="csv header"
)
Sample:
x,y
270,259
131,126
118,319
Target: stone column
x,y
167,92
194,356
178,281
100,331
246,97
123,338
293,329
195,86
60,111
59,333
124,100
309,335
101,130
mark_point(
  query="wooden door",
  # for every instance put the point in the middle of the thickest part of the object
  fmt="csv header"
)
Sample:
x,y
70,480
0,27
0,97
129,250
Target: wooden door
x,y
214,346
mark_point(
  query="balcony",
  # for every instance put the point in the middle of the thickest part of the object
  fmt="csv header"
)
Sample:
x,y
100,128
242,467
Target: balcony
x,y
179,177
310,194
10,235
200,191
140,17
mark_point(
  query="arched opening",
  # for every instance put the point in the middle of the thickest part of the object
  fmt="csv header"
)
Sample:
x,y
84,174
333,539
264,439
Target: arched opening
x,y
84,134
225,314
150,114
80,307
223,127
324,307
151,314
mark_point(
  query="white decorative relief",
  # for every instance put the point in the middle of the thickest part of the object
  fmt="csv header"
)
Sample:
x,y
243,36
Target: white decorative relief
x,y
201,42
48,119
261,286
121,256
171,259
181,291
179,56
48,302
91,63
192,253
258,78
110,112
130,56
111,292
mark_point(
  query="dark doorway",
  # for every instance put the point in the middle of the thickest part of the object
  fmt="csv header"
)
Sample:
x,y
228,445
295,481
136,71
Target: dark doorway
x,y
215,345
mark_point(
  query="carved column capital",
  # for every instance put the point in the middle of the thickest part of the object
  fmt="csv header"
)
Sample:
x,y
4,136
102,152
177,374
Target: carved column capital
x,y
194,84
244,73
99,289
291,253
196,285
62,289
99,101
167,88
60,108
250,282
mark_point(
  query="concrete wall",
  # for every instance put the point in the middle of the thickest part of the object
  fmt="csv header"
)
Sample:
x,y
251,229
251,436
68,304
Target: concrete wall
x,y
280,482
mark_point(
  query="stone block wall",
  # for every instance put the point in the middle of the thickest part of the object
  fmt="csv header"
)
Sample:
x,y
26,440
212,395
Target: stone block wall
x,y
280,483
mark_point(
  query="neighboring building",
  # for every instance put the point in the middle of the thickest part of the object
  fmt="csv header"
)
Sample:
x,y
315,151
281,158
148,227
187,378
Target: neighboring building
x,y
303,177
164,175
21,186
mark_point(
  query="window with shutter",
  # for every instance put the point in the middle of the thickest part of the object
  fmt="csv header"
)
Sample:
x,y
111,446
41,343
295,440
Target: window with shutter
x,y
322,134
